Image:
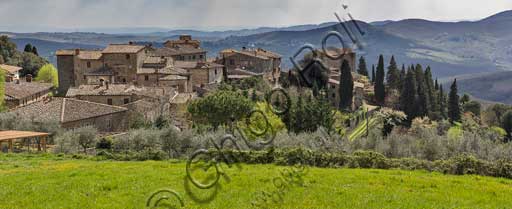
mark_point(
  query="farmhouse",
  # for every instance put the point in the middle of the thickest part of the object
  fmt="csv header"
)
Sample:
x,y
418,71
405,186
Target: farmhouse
x,y
254,60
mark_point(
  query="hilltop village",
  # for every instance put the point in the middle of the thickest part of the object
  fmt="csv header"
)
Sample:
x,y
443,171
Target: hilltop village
x,y
109,88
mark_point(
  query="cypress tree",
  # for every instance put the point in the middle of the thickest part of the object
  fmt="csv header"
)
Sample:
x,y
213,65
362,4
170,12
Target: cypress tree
x,y
373,74
453,104
506,123
380,91
34,50
300,112
393,77
430,88
436,85
422,101
403,74
28,48
346,86
442,102
362,67
408,96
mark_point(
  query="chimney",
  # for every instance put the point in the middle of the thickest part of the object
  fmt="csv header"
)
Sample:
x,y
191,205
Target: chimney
x,y
77,51
28,78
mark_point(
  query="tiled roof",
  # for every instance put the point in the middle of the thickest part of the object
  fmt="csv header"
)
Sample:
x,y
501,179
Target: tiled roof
x,y
173,78
66,110
196,65
170,70
10,68
89,54
65,52
123,48
258,53
238,71
25,89
115,90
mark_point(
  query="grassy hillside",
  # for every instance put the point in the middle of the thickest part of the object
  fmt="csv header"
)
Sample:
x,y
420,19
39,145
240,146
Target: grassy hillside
x,y
58,182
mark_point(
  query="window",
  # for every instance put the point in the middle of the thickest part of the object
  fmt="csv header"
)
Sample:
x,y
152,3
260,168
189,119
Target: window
x,y
215,71
232,62
201,56
88,64
127,56
126,100
146,78
124,80
85,77
194,57
333,95
109,101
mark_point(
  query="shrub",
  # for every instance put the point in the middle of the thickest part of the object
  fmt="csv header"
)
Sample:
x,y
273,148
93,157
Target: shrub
x,y
104,143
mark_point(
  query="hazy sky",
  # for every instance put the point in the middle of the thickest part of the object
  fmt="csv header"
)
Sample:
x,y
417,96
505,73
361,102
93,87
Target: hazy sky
x,y
216,14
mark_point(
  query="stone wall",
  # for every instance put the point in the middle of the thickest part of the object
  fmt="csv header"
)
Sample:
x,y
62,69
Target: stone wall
x,y
104,99
117,122
66,66
85,66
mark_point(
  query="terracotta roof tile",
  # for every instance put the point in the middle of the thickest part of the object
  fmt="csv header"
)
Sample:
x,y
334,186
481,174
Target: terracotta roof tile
x,y
66,110
25,89
122,48
10,68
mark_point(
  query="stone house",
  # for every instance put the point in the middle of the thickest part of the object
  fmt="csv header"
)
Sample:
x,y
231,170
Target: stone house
x,y
160,71
254,60
183,49
12,73
73,113
202,73
124,60
117,63
20,93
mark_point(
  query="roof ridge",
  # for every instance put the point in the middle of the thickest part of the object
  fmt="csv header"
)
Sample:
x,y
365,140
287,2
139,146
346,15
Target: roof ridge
x,y
63,110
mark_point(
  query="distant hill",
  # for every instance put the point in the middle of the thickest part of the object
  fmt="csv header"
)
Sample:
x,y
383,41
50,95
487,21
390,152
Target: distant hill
x,y
495,87
450,48
47,49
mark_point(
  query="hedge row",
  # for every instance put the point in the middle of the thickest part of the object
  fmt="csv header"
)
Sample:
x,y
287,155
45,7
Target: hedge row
x,y
460,165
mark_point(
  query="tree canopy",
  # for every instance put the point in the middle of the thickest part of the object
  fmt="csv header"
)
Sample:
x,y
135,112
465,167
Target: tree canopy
x,y
220,108
48,74
453,104
380,89
346,86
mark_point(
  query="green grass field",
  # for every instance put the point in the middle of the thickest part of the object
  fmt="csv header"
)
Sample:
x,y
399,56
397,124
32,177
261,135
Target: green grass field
x,y
29,181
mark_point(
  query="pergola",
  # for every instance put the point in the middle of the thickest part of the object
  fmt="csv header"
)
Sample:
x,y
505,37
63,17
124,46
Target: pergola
x,y
10,136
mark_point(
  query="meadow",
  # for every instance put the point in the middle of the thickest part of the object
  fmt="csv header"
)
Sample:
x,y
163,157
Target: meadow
x,y
51,181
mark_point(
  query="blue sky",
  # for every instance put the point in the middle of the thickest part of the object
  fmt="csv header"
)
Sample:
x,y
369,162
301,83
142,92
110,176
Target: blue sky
x,y
223,14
